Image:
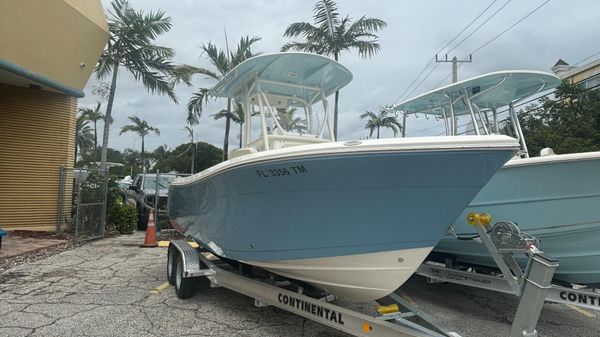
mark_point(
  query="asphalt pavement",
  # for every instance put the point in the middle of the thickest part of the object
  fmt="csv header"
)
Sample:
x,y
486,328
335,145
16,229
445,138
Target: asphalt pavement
x,y
112,287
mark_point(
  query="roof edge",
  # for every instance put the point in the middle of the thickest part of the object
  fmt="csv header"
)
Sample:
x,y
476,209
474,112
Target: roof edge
x,y
41,79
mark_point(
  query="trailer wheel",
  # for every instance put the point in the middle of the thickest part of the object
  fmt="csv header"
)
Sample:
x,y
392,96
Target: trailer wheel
x,y
184,287
171,258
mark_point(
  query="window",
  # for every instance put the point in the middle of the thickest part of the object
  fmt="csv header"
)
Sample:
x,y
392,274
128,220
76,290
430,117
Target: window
x,y
591,82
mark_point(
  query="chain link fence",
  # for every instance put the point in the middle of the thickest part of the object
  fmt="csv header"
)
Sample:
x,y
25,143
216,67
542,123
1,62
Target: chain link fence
x,y
82,203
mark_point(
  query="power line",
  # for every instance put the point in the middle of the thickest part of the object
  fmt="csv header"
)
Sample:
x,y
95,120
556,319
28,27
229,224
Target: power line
x,y
587,58
423,80
467,27
415,80
441,49
509,28
497,36
481,25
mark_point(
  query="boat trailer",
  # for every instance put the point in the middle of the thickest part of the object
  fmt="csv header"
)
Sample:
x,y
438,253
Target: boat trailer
x,y
189,269
502,240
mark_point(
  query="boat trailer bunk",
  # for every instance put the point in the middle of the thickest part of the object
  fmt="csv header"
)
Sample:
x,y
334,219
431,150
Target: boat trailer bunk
x,y
189,268
502,240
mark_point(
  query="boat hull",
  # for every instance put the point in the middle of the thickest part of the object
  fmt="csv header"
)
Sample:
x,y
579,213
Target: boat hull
x,y
554,198
357,278
314,205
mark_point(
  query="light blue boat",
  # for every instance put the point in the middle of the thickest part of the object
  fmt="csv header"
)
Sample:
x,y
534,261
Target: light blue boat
x,y
555,198
297,203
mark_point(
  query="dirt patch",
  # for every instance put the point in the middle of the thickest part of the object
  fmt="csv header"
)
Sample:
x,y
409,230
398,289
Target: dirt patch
x,y
40,254
40,235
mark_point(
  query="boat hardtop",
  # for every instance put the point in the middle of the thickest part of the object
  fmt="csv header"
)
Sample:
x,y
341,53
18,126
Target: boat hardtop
x,y
277,86
488,91
297,76
477,97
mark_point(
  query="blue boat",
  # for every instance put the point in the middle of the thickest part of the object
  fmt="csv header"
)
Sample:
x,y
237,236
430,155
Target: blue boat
x,y
333,214
552,197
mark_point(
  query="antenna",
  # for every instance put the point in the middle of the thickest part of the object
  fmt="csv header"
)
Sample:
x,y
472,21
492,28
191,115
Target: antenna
x,y
226,41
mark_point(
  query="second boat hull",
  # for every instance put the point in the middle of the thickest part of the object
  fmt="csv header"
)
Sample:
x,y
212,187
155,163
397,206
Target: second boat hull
x,y
554,198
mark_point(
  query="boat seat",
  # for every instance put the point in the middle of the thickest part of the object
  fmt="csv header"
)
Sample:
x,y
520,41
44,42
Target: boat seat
x,y
241,152
547,151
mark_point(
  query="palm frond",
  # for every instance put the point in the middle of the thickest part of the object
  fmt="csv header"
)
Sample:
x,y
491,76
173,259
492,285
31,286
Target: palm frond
x,y
196,104
365,24
183,73
243,51
139,126
217,58
366,48
326,16
105,65
299,29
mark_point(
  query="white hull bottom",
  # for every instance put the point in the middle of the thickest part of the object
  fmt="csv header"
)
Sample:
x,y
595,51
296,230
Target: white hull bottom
x,y
357,278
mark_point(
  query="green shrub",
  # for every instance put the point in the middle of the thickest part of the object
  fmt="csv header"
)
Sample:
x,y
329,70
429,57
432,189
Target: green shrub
x,y
123,217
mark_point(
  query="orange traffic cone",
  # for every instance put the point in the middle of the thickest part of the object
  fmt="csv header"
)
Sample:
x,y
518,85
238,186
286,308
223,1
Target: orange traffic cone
x,y
150,240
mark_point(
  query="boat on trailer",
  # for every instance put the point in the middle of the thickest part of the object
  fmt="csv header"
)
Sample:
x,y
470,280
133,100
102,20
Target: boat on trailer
x,y
552,197
335,215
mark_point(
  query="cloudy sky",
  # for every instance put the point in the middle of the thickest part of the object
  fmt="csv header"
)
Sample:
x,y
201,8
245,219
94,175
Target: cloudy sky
x,y
416,31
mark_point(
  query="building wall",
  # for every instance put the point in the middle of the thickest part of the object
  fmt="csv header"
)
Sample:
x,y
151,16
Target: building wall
x,y
579,75
53,38
37,136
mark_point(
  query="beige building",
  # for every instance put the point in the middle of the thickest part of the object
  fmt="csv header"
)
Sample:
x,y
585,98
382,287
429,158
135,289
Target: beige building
x,y
588,75
49,50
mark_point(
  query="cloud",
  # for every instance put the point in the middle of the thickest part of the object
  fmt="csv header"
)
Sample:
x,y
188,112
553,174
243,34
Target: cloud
x,y
416,31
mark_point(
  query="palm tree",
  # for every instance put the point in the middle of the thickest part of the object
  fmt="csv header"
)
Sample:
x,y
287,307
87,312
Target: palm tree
x,y
160,154
236,116
93,115
223,62
140,127
288,122
83,135
331,35
192,146
382,120
131,45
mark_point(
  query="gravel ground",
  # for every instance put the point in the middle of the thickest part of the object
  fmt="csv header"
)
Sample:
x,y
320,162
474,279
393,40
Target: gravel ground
x,y
112,287
39,254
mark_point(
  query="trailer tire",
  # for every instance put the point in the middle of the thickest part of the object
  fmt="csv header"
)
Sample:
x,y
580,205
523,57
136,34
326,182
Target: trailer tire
x,y
172,255
184,287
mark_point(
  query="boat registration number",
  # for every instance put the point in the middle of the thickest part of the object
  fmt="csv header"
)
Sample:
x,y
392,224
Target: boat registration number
x,y
282,171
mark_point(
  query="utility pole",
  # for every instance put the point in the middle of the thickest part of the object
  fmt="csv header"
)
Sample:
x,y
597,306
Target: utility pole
x,y
455,62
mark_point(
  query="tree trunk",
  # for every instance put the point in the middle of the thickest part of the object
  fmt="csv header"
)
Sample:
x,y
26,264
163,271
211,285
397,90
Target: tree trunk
x,y
143,167
193,155
241,124
107,116
75,161
377,132
95,141
227,126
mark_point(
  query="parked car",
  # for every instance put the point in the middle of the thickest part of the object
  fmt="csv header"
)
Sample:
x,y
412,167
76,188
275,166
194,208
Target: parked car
x,y
142,194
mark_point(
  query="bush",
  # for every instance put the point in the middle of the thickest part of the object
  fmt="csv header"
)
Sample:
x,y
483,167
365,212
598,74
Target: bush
x,y
124,218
